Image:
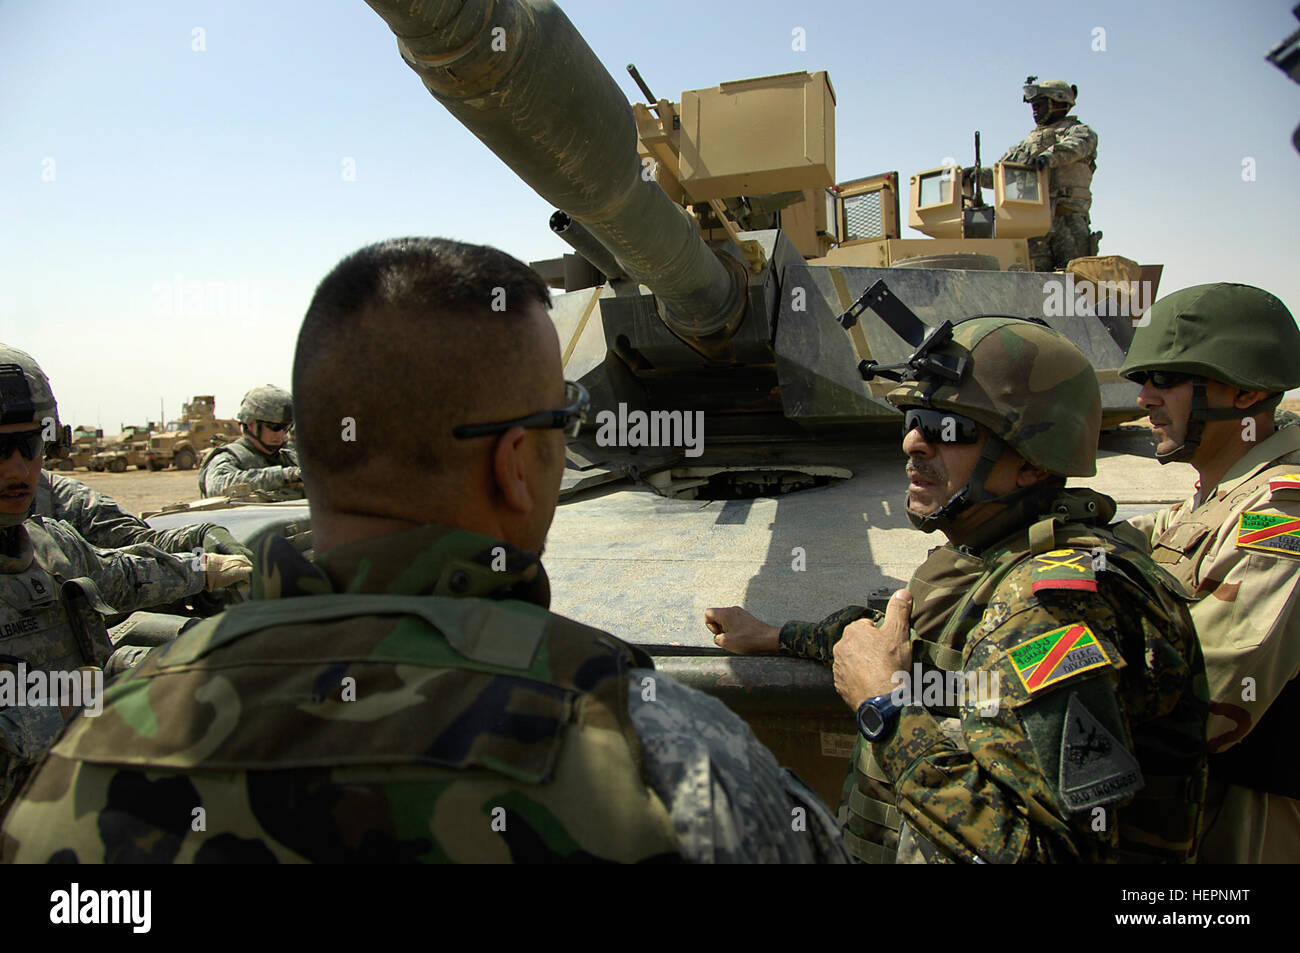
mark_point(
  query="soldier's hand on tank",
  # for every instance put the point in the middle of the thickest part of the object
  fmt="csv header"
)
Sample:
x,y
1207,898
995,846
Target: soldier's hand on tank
x,y
738,631
293,474
223,571
867,656
1042,161
217,539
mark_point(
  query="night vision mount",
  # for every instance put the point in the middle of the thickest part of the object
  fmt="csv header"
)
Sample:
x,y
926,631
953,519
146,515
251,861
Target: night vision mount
x,y
904,322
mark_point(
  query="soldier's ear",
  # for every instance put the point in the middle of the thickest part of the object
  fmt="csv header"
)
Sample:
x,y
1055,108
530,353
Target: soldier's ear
x,y
510,470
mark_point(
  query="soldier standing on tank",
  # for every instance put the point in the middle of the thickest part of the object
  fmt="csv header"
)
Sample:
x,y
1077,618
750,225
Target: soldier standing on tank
x,y
1067,147
1079,731
1214,361
259,458
53,584
408,697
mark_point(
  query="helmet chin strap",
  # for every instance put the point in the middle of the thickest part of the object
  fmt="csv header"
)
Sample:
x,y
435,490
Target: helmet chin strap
x,y
1201,412
970,494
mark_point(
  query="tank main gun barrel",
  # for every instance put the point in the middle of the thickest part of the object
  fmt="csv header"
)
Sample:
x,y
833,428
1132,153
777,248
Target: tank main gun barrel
x,y
518,75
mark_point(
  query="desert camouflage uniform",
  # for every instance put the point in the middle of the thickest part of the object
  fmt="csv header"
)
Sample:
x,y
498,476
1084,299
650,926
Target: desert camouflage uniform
x,y
1246,613
46,628
484,728
239,462
1072,148
103,523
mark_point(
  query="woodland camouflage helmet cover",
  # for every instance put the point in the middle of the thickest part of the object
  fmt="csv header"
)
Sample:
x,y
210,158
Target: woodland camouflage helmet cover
x,y
1027,384
1237,334
36,393
1057,90
272,404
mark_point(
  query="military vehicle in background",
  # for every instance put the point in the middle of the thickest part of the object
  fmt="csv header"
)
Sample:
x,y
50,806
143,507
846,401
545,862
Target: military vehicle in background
x,y
721,377
128,450
86,442
184,442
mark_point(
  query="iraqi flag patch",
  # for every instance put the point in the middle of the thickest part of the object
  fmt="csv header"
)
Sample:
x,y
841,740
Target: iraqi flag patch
x,y
1269,532
1051,658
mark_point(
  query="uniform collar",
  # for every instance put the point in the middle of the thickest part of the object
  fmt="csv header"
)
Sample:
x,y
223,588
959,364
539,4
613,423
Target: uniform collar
x,y
1278,444
426,561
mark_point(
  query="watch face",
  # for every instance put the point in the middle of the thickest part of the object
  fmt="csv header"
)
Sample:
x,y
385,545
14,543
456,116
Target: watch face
x,y
871,722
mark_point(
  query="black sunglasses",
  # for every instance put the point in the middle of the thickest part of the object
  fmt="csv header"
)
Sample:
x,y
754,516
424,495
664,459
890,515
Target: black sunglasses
x,y
27,442
570,419
1160,380
940,426
274,428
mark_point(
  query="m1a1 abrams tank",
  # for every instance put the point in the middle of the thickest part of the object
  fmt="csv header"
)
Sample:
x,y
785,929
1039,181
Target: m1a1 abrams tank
x,y
719,376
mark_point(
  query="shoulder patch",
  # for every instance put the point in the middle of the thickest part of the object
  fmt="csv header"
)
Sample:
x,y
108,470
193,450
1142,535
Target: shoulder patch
x,y
1096,768
1269,532
1051,658
1064,569
1287,481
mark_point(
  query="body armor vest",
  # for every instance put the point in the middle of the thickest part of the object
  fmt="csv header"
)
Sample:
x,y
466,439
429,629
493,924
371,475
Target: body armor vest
x,y
958,587
498,690
1262,760
247,457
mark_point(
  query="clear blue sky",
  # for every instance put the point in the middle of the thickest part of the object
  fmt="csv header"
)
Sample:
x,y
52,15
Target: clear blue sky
x,y
225,165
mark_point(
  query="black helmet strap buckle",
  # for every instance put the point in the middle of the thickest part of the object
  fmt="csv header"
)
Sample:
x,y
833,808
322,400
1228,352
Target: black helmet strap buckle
x,y
903,321
16,404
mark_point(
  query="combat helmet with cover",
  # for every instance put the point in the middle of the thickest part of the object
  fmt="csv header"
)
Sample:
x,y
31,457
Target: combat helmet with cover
x,y
1237,334
26,397
1057,90
1027,384
266,402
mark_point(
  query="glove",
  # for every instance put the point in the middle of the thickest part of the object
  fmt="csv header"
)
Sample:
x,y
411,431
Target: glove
x,y
1042,161
225,571
217,539
292,474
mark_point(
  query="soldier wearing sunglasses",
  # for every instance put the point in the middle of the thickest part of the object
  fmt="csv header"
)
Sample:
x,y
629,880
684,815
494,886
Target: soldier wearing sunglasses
x,y
1087,742
259,459
54,585
1214,361
409,696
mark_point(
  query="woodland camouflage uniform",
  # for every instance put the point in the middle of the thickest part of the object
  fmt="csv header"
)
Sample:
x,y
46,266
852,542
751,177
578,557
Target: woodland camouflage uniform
x,y
1095,751
408,699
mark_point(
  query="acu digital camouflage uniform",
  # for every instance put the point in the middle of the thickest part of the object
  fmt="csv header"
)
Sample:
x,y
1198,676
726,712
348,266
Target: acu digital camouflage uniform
x,y
409,698
53,585
240,463
103,523
1111,727
1071,150
1236,548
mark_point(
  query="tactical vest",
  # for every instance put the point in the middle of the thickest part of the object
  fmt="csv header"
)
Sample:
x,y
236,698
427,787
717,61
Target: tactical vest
x,y
960,587
248,459
1263,759
492,693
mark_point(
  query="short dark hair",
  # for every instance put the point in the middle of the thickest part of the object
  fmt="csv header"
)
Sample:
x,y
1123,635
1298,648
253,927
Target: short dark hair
x,y
371,344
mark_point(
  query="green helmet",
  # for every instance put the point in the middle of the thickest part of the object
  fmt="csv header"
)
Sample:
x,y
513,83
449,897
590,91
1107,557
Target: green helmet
x,y
1236,334
272,404
1057,90
1027,384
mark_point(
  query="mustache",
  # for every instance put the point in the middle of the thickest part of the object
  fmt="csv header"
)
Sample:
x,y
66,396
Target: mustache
x,y
928,471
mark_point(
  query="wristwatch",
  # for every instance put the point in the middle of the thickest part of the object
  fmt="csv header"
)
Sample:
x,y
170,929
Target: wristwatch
x,y
875,715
